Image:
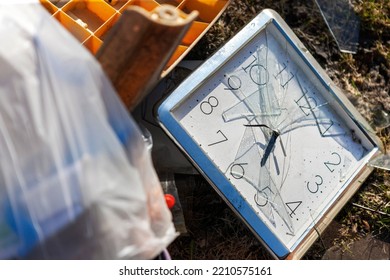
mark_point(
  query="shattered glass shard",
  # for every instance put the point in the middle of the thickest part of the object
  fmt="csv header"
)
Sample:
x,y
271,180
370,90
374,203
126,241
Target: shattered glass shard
x,y
343,23
381,162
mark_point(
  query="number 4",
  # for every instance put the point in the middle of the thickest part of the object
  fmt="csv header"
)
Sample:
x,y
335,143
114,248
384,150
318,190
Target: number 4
x,y
293,206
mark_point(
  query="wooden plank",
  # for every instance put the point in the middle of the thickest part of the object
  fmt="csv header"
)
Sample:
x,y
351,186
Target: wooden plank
x,y
139,46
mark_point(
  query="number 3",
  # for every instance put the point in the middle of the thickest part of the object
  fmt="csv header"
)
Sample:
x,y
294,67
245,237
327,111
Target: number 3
x,y
318,184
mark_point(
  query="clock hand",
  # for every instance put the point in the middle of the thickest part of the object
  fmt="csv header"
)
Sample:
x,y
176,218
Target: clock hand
x,y
257,125
267,197
269,147
271,143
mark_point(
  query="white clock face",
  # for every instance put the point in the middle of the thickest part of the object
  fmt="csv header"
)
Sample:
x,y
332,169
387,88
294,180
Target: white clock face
x,y
266,125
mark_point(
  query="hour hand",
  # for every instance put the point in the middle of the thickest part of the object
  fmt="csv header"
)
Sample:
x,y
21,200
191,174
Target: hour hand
x,y
270,146
271,143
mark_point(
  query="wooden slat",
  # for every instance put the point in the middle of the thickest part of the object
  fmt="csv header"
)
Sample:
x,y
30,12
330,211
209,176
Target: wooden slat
x,y
139,46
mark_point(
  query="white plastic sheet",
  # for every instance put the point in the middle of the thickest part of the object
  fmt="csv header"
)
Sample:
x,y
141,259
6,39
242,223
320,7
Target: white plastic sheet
x,y
76,178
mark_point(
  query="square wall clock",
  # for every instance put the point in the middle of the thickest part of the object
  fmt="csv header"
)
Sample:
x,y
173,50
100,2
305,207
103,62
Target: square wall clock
x,y
272,134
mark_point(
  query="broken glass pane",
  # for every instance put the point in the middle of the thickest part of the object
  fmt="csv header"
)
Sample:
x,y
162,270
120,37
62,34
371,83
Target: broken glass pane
x,y
343,23
381,118
381,162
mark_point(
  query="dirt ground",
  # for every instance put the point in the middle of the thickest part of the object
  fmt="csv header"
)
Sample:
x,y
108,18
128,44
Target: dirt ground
x,y
213,230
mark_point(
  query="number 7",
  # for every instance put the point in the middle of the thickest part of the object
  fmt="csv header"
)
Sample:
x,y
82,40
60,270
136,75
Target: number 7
x,y
219,141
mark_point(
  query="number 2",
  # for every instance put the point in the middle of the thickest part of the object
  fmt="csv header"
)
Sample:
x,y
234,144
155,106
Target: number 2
x,y
307,106
335,162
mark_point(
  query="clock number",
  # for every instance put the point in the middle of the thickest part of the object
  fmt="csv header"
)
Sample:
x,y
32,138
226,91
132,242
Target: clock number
x,y
289,78
311,103
318,183
293,206
237,170
257,72
208,106
326,125
234,83
306,107
263,200
219,141
250,64
335,162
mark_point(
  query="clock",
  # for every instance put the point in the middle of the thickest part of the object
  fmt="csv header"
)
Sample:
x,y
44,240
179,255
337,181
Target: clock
x,y
269,130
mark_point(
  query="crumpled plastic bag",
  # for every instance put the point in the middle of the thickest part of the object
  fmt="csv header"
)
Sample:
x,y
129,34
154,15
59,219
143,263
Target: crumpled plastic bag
x,y
76,178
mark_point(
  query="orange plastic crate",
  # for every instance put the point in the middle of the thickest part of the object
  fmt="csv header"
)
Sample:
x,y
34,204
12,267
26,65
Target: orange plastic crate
x,y
90,20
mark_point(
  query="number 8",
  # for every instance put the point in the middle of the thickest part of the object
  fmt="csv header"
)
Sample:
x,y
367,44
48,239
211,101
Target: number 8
x,y
208,106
